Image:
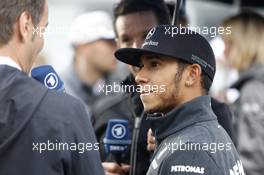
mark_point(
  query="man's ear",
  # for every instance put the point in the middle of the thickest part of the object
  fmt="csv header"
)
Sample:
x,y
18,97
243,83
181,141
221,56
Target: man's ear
x,y
194,75
25,26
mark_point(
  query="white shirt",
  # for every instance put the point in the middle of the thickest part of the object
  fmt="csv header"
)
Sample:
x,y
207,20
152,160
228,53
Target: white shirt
x,y
8,61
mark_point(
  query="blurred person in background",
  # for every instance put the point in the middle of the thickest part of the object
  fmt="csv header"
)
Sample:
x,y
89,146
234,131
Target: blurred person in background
x,y
92,38
33,118
244,51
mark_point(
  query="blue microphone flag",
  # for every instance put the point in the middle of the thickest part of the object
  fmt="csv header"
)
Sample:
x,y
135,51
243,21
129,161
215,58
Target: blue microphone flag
x,y
117,137
48,77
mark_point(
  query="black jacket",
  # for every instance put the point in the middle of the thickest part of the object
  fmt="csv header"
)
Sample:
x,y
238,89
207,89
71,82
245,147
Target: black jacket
x,y
191,141
34,121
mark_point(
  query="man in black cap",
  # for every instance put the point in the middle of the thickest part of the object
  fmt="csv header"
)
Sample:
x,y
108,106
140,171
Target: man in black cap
x,y
176,70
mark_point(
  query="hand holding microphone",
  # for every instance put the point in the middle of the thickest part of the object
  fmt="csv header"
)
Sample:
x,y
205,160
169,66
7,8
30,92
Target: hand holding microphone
x,y
112,168
117,142
151,141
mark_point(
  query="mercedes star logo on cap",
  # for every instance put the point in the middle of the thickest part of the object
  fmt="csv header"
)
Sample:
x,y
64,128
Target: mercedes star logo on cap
x,y
151,32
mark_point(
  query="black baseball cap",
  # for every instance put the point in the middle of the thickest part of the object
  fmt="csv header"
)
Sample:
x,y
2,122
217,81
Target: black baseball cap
x,y
176,42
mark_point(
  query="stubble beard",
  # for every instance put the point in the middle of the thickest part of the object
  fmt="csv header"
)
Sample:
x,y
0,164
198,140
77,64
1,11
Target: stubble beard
x,y
168,101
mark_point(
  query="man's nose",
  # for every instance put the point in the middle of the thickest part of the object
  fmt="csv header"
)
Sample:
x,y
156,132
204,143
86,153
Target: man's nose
x,y
141,76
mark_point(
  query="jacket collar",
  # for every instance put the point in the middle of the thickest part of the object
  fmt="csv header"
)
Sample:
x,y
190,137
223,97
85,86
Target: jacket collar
x,y
9,62
194,111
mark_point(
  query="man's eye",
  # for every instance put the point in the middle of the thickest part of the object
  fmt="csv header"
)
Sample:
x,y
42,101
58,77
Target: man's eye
x,y
140,67
154,64
125,40
136,69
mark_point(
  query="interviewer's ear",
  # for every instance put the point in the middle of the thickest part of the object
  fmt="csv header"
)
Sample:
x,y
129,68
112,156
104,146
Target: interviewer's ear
x,y
193,75
25,26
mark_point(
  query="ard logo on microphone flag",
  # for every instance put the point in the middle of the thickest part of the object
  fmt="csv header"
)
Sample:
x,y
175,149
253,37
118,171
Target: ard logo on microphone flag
x,y
117,138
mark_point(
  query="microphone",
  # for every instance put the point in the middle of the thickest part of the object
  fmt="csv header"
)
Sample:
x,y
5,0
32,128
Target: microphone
x,y
117,139
46,75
